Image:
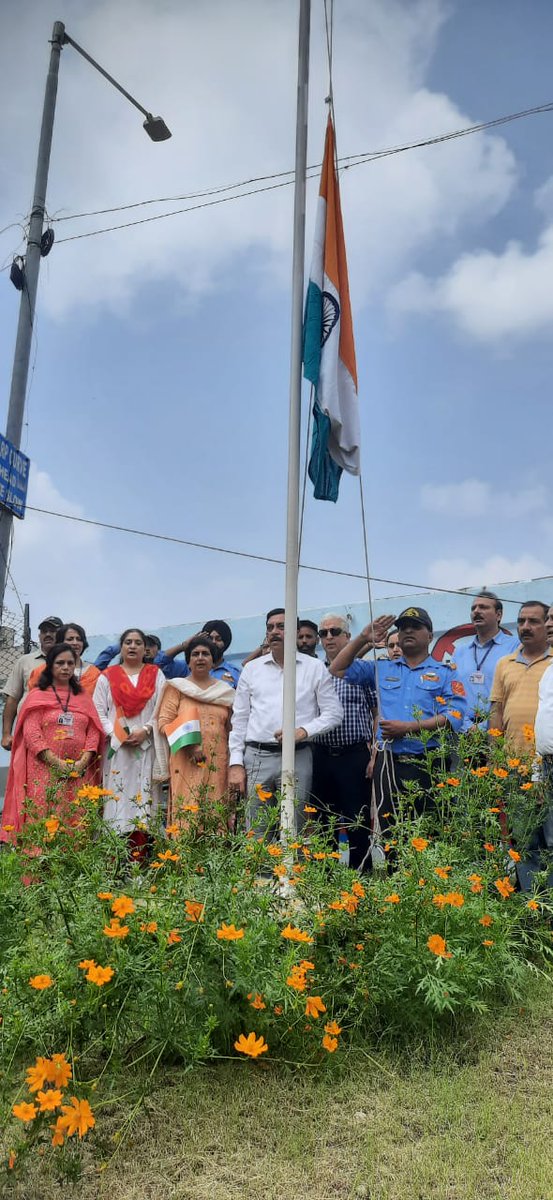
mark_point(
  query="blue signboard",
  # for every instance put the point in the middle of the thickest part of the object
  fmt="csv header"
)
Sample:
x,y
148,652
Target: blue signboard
x,y
14,477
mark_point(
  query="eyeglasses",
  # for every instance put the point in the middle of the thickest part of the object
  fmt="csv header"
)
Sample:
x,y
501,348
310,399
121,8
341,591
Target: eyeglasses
x,y
334,631
275,625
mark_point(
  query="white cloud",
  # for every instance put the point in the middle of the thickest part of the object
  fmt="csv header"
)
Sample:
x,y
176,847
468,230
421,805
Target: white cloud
x,y
476,498
497,569
490,296
224,77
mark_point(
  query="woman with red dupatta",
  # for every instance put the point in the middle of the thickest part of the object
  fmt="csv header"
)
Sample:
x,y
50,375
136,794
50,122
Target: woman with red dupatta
x,y
126,698
58,738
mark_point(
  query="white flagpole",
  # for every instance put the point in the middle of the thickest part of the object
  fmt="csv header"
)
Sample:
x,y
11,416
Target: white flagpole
x,y
288,816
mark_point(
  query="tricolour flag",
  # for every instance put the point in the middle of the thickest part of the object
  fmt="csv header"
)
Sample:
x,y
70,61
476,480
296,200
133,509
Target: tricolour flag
x,y
328,345
119,735
181,733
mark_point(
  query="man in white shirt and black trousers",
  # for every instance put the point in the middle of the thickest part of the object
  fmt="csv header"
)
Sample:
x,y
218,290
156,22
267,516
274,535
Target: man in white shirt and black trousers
x,y
539,856
256,733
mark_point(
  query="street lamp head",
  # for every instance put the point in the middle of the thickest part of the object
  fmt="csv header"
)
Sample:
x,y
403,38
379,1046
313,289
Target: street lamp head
x,y
156,128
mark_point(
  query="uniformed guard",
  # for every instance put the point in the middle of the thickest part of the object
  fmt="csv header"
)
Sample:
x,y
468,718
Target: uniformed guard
x,y
415,693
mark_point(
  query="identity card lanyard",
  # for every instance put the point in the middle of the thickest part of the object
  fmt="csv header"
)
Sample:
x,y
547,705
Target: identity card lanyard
x,y
480,664
65,717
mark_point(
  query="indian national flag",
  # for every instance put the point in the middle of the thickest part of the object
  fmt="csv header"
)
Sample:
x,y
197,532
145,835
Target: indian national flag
x,y
328,345
181,733
119,735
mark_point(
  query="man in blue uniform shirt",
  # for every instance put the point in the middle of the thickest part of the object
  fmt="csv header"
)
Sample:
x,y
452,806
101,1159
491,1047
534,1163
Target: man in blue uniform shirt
x,y
477,659
415,693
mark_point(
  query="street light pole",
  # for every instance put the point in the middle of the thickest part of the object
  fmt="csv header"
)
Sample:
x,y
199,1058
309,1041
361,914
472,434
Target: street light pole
x,y
157,130
23,341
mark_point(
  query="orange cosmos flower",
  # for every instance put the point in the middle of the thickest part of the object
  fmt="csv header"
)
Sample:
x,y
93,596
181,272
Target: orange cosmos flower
x,y
514,855
115,929
358,890
350,903
274,851
37,1076
419,844
442,872
77,1117
504,887
279,870
494,810
525,787
278,1010
173,937
52,825
488,942
309,808
122,906
488,846
194,909
105,895
319,855
314,1006
533,905
333,1028
49,1100
229,933
456,899
393,898
41,982
513,762
172,830
330,1043
296,935
168,856
486,920
437,946
500,772
58,1131
528,732
422,882
480,772
453,781
86,964
297,979
251,1045
257,1002
24,1112
191,808
149,927
262,795
99,975
495,733
439,900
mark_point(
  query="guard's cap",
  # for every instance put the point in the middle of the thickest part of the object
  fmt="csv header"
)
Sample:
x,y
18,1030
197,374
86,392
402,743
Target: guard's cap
x,y
51,623
419,615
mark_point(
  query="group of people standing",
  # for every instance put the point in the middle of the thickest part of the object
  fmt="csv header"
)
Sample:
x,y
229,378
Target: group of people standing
x,y
363,724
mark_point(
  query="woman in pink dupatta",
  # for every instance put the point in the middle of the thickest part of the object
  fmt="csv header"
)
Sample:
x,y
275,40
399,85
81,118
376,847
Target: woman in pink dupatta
x,y
58,738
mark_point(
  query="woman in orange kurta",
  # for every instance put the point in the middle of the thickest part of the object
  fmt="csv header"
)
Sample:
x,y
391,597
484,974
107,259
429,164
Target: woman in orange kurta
x,y
200,768
85,673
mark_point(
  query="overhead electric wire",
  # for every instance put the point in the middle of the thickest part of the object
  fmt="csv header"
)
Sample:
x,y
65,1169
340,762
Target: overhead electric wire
x,y
166,537
285,177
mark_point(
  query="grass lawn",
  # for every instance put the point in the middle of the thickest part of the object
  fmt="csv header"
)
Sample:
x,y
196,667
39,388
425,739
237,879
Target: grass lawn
x,y
477,1126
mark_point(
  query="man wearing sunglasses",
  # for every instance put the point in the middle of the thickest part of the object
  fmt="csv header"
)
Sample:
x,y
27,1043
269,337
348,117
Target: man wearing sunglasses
x,y
342,758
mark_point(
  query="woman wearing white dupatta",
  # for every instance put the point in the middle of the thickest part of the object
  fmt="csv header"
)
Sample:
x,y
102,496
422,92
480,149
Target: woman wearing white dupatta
x,y
194,714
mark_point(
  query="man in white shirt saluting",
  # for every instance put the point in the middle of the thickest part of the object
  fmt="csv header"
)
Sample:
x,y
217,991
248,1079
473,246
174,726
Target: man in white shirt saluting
x,y
256,734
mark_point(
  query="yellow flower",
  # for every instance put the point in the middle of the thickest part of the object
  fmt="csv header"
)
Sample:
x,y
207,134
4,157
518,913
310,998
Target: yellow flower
x,y
49,1100
195,910
122,906
330,1043
314,1006
251,1045
229,933
419,844
115,929
504,887
24,1112
77,1117
393,898
40,982
437,946
296,935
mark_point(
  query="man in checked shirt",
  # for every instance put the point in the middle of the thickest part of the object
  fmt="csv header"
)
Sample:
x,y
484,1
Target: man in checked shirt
x,y
343,758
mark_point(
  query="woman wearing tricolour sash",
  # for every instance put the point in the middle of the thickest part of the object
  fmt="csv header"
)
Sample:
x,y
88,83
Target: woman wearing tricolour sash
x,y
195,715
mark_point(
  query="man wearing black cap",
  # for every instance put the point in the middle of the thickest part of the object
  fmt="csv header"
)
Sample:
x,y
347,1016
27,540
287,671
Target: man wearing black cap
x,y
220,634
16,684
415,693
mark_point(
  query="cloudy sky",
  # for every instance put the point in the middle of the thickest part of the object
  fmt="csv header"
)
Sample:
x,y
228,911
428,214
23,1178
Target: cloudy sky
x,y
159,389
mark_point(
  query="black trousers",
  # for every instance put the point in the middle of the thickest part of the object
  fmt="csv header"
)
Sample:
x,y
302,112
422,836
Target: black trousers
x,y
340,789
391,773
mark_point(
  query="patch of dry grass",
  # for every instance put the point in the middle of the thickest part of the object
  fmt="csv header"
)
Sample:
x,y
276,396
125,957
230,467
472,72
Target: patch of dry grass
x,y
383,1128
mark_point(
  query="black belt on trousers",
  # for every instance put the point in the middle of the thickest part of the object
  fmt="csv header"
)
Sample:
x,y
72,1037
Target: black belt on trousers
x,y
273,747
336,751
